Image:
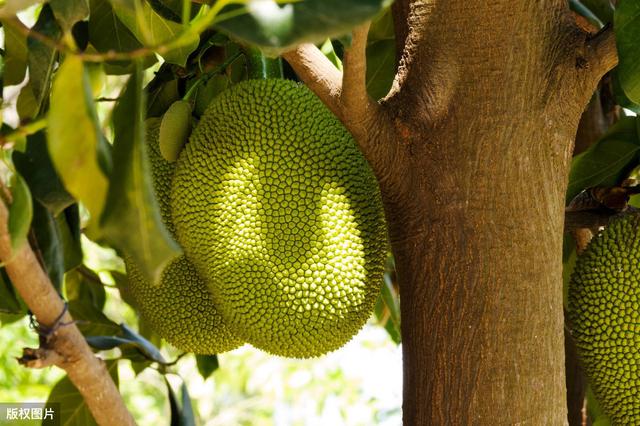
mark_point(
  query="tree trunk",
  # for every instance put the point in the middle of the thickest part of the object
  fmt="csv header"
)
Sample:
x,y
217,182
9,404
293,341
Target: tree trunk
x,y
472,148
485,107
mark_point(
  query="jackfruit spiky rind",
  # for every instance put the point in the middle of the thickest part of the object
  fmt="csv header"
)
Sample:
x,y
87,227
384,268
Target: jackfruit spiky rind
x,y
282,216
180,308
604,311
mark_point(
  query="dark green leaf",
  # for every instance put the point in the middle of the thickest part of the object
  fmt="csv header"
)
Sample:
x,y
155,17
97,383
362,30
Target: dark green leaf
x,y
128,339
578,7
69,226
107,32
49,243
85,286
20,211
37,169
181,413
75,136
627,27
27,104
132,221
207,364
15,54
603,9
208,91
162,97
9,300
607,161
73,409
381,67
68,12
153,30
92,321
619,95
276,27
42,57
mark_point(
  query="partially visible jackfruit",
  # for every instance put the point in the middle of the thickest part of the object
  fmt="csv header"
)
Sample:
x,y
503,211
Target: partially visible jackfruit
x,y
174,130
604,312
180,308
282,216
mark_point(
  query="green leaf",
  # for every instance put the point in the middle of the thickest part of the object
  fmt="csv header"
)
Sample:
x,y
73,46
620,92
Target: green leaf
x,y
207,364
607,161
92,321
69,227
128,339
107,32
381,67
153,30
132,221
85,286
208,91
20,212
627,28
27,104
181,413
9,300
603,9
68,12
15,54
42,57
49,243
74,136
37,169
73,409
277,27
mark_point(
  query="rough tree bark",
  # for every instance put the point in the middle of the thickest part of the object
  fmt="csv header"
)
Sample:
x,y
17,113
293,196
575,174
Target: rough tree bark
x,y
472,148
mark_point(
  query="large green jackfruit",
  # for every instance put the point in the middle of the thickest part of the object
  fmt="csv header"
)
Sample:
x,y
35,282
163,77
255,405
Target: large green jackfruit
x,y
282,216
180,308
604,311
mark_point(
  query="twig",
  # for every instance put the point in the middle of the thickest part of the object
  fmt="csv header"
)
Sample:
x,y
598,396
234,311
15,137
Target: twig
x,y
87,372
22,131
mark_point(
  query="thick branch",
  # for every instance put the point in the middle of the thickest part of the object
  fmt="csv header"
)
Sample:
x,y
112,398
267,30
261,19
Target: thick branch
x,y
320,75
602,54
87,372
345,94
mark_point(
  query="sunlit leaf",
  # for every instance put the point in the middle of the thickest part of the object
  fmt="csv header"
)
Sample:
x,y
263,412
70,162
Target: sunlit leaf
x,y
68,12
277,27
27,104
627,28
43,57
132,221
73,409
74,136
152,29
108,33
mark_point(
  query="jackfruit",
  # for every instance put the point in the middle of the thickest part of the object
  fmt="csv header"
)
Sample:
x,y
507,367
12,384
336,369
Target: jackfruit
x,y
282,216
180,308
604,314
175,129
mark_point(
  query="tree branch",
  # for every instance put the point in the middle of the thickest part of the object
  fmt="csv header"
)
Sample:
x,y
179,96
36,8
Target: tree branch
x,y
87,372
602,54
319,74
357,106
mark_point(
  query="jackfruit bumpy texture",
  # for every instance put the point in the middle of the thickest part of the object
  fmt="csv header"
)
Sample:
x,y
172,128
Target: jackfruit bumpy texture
x,y
180,308
282,216
604,310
